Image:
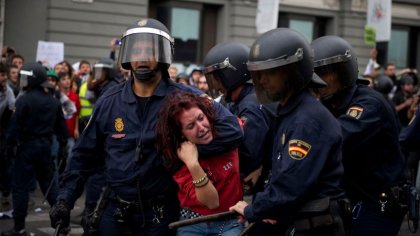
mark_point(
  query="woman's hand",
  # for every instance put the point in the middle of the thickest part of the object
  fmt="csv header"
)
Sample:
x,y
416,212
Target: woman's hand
x,y
188,153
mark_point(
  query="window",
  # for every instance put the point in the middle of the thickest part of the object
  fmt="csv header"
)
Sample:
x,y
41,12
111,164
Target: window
x,y
185,30
310,26
403,47
306,27
193,26
398,47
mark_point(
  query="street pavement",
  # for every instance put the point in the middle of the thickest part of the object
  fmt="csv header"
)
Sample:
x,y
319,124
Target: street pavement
x,y
38,221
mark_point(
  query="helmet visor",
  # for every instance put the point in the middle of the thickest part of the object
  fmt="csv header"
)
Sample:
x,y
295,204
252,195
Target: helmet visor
x,y
147,47
262,94
275,62
219,66
331,60
215,85
24,78
98,72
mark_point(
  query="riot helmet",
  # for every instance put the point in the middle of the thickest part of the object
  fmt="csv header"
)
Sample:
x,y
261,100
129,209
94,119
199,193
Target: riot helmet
x,y
225,65
104,64
182,78
281,49
334,54
149,43
383,84
33,75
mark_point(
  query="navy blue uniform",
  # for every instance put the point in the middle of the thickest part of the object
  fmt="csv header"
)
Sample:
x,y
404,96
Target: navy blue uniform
x,y
372,157
410,136
37,117
306,161
121,135
111,83
256,125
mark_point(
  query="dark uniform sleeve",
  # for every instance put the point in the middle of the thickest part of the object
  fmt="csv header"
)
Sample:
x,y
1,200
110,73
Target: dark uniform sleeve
x,y
371,150
229,133
361,122
255,128
298,158
410,136
87,156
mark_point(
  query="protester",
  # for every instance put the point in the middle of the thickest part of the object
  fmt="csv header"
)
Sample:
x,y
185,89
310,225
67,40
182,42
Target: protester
x,y
206,185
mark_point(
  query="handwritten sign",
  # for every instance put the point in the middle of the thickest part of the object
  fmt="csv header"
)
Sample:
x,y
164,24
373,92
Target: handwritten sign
x,y
50,53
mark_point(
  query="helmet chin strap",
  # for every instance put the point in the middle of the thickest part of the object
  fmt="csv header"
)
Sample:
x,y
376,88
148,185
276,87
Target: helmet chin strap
x,y
144,75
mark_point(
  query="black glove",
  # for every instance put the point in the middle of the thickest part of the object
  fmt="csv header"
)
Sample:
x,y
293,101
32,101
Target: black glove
x,y
60,214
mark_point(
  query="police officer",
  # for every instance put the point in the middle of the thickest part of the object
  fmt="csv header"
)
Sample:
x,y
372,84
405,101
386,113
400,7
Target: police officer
x,y
121,136
302,193
372,157
226,72
105,77
383,84
37,117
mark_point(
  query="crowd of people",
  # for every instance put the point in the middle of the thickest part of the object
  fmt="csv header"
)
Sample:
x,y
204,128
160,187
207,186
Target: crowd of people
x,y
319,149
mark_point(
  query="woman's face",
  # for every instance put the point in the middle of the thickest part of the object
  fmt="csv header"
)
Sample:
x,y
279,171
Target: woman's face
x,y
195,126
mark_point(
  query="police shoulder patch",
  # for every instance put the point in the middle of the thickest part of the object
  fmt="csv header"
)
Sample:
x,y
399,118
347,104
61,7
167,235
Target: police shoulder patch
x,y
355,112
119,124
298,149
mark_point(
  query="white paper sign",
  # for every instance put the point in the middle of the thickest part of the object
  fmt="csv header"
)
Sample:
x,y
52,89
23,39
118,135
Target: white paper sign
x,y
379,17
267,15
50,53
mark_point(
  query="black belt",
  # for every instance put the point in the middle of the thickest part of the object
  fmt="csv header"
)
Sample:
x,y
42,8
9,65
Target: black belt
x,y
136,205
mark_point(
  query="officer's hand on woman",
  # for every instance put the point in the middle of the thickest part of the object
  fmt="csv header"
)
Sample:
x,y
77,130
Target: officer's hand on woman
x,y
60,214
239,207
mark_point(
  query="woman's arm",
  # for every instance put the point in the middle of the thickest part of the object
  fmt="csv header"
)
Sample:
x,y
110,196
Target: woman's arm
x,y
204,189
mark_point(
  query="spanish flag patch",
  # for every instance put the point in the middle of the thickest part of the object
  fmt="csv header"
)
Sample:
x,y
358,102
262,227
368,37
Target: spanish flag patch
x,y
298,149
355,112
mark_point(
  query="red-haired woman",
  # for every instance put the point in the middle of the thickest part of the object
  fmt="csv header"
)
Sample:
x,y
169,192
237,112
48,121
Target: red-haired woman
x,y
206,185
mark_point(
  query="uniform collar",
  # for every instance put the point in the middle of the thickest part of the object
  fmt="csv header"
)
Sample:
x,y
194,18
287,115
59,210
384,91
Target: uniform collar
x,y
341,100
247,89
129,96
292,103
347,97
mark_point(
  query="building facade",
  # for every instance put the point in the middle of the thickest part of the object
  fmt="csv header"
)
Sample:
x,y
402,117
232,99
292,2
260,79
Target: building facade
x,y
86,27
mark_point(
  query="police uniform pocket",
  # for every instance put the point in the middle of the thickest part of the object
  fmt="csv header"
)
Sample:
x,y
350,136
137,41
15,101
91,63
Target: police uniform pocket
x,y
121,154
